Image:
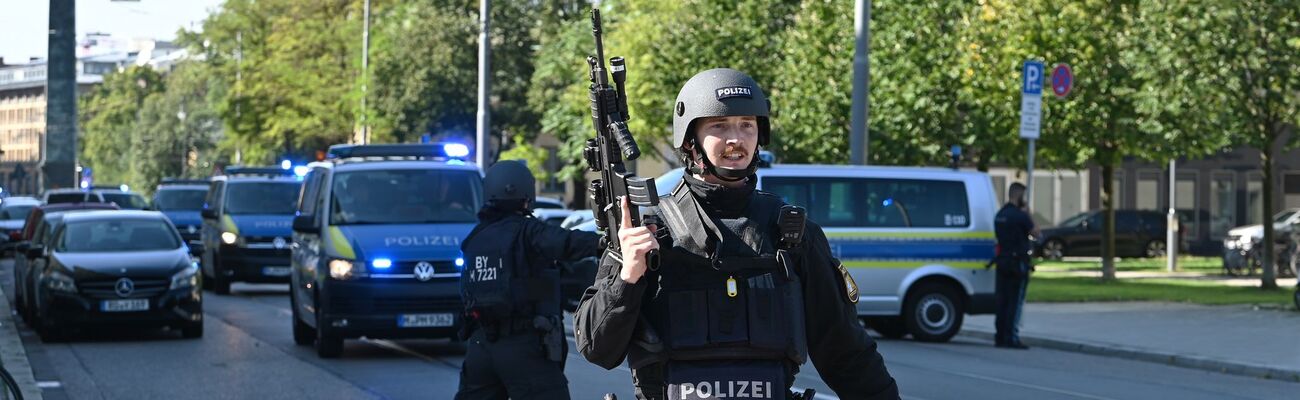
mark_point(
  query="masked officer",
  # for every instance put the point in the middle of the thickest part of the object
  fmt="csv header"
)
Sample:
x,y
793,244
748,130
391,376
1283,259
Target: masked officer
x,y
1013,228
511,289
745,290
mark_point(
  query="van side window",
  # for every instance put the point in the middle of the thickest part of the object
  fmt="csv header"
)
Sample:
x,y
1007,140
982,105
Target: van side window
x,y
916,203
831,202
307,197
214,194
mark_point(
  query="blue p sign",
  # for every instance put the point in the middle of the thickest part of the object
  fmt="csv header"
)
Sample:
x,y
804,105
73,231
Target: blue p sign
x,y
1032,78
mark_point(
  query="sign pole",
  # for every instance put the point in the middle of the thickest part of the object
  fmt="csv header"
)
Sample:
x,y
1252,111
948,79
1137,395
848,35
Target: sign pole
x,y
1029,175
1171,224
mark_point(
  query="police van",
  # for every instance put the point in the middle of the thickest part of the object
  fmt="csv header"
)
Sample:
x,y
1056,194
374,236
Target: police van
x,y
247,216
916,240
181,200
376,249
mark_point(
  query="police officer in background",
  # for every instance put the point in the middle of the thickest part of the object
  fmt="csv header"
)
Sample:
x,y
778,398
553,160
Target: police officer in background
x,y
1013,227
511,290
744,291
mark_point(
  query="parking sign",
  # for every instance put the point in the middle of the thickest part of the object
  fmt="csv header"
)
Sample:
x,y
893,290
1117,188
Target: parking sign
x,y
1031,99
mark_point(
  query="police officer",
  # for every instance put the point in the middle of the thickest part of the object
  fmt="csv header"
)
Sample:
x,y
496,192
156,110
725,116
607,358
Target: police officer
x,y
511,290
744,291
1013,228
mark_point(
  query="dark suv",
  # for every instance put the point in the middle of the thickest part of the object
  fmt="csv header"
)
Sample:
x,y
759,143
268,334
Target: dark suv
x,y
1138,233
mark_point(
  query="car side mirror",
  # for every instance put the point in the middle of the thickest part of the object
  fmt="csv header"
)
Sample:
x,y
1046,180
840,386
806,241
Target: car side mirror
x,y
208,213
305,224
35,251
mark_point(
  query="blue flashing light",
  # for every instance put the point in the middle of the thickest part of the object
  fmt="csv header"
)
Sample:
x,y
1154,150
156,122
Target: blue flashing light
x,y
381,263
460,263
125,188
455,150
888,202
301,170
85,185
286,164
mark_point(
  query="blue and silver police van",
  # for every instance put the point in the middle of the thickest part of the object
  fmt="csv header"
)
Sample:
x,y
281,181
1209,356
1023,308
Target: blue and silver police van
x,y
247,220
181,200
376,243
916,240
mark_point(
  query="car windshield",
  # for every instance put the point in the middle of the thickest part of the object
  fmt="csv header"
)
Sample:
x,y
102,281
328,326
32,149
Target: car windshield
x,y
68,197
127,201
180,199
406,196
1075,220
261,197
1282,216
16,212
117,235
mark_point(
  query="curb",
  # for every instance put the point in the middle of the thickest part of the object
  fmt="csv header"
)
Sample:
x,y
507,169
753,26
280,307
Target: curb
x,y
1152,356
13,356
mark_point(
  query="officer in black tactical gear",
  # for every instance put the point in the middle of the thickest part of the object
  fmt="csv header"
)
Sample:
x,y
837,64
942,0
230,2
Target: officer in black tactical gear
x,y
511,290
1013,228
745,289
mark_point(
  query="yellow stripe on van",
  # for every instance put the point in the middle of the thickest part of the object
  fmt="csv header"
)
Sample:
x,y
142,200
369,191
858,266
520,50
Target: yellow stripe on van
x,y
913,264
910,235
340,243
228,225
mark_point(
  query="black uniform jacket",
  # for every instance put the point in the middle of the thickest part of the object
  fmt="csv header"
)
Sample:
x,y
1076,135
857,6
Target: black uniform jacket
x,y
843,353
545,243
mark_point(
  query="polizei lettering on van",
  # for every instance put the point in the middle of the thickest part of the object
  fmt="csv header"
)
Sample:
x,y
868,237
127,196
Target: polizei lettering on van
x,y
407,241
727,390
272,224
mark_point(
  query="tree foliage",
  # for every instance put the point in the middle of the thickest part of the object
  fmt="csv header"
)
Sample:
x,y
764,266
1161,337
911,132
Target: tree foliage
x,y
108,118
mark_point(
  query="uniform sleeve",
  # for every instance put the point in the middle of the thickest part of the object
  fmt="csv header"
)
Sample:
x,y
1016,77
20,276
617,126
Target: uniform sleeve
x,y
559,244
607,315
844,355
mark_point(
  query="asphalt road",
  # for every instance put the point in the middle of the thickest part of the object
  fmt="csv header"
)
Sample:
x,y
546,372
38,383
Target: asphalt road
x,y
248,353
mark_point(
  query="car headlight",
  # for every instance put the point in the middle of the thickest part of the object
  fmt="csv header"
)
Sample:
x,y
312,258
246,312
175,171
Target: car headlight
x,y
188,277
59,282
346,269
229,237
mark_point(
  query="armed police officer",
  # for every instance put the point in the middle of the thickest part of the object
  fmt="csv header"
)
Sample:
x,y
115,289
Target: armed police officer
x,y
1013,228
511,290
744,290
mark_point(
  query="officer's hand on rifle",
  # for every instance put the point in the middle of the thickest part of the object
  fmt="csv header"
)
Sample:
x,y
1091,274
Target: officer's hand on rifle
x,y
635,242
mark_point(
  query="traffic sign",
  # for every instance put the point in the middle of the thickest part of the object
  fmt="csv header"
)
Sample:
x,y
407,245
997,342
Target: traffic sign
x,y
1062,80
1031,99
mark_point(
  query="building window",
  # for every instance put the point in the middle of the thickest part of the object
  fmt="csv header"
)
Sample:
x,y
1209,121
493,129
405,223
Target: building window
x,y
1223,204
1147,194
1071,196
1254,199
1185,203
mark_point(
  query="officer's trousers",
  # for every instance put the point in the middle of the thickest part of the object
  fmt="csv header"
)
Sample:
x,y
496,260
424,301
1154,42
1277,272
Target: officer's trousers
x,y
1012,280
513,367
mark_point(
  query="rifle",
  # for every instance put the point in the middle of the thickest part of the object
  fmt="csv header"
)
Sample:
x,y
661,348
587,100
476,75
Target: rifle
x,y
613,143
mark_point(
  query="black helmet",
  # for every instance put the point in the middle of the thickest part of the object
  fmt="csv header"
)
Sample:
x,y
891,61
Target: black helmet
x,y
509,180
720,92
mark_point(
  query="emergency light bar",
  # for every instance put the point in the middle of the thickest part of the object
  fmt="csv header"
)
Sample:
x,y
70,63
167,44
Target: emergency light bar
x,y
181,181
264,171
434,151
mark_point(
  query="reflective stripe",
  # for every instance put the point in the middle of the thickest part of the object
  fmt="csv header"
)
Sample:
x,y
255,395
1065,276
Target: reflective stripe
x,y
228,224
965,264
340,244
910,235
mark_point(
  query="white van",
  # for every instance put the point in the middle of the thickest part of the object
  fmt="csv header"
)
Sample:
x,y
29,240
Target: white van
x,y
916,240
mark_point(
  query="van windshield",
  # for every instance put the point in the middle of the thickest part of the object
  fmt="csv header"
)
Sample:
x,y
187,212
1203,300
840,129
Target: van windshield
x,y
262,197
405,196
180,199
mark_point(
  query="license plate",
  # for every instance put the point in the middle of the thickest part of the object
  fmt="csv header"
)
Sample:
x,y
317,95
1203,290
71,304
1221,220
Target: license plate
x,y
124,305
275,271
425,320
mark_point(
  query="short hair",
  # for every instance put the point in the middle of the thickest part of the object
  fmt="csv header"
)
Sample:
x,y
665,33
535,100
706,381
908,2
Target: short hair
x,y
1016,191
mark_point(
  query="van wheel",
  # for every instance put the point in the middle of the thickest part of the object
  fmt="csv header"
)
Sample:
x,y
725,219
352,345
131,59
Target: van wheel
x,y
933,312
220,282
328,344
1155,248
890,327
303,334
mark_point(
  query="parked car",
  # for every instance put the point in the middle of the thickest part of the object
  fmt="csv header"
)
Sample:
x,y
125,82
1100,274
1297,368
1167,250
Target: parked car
x,y
13,214
552,216
38,229
547,203
578,217
97,194
109,268
1241,245
1138,233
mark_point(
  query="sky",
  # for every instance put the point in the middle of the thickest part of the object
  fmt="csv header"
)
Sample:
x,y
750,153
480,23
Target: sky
x,y
24,24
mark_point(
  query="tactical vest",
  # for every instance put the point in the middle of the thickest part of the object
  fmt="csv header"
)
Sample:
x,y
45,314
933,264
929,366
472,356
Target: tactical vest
x,y
730,298
497,285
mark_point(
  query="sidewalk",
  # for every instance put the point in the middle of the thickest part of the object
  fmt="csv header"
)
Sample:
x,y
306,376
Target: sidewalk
x,y
13,356
1237,340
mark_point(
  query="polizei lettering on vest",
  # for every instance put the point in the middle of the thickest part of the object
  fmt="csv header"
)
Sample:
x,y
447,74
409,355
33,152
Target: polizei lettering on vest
x,y
406,241
727,390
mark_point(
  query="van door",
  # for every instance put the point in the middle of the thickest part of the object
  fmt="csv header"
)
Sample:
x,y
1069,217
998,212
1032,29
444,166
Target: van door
x,y
306,245
211,234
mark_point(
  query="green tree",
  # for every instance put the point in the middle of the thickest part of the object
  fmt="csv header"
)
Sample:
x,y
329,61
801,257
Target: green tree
x,y
178,130
108,117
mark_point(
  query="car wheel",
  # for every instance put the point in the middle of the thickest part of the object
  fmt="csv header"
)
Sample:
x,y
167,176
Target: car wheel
x,y
890,327
220,282
328,344
1053,249
303,334
48,330
933,312
192,330
1155,248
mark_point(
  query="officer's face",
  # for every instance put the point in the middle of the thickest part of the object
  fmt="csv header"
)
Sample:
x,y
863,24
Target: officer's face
x,y
730,142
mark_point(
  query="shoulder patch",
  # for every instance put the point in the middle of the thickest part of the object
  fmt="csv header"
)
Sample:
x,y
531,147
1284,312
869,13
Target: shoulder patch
x,y
850,287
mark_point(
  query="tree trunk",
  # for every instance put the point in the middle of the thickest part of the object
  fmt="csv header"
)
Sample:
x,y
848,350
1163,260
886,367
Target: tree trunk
x,y
1268,279
1108,220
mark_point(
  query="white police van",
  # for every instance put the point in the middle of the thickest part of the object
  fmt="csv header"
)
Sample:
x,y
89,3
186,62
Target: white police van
x,y
376,249
916,240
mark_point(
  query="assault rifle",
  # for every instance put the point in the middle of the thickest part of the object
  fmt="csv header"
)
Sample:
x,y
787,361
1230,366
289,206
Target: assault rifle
x,y
613,144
